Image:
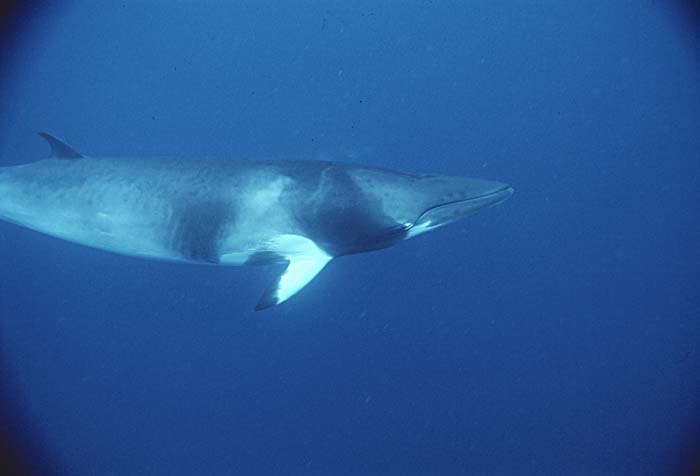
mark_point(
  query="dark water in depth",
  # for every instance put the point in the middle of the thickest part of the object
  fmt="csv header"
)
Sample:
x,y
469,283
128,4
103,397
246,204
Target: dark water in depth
x,y
557,334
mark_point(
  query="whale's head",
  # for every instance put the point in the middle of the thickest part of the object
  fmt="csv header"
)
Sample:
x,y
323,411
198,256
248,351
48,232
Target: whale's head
x,y
351,209
446,199
420,203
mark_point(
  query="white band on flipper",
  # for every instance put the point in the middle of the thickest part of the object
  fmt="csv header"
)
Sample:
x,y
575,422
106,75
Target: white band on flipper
x,y
306,260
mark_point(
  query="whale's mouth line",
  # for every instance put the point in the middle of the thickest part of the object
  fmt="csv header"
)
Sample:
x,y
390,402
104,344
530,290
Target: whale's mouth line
x,y
507,189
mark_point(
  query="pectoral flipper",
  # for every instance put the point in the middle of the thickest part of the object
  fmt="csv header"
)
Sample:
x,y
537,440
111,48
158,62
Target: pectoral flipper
x,y
305,260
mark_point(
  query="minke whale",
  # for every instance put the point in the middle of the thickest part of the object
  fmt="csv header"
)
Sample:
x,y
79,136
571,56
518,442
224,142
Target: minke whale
x,y
300,213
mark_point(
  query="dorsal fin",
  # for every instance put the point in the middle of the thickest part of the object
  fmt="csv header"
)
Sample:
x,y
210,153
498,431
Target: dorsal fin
x,y
59,149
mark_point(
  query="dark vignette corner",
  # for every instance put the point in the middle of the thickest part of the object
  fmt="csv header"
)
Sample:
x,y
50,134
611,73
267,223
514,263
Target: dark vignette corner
x,y
19,456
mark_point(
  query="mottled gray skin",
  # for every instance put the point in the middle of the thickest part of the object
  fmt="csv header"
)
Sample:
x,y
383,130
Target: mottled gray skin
x,y
199,209
232,211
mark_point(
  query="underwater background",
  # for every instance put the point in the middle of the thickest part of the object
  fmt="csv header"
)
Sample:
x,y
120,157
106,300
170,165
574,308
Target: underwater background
x,y
557,334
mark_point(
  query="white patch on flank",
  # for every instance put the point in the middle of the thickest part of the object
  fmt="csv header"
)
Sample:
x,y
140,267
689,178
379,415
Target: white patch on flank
x,y
264,196
235,259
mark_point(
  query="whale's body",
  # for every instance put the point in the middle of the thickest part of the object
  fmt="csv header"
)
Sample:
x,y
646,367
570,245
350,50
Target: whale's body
x,y
233,212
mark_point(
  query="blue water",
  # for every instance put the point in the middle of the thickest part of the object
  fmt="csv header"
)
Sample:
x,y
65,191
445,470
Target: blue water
x,y
556,334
